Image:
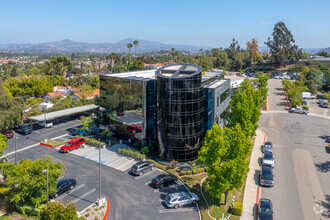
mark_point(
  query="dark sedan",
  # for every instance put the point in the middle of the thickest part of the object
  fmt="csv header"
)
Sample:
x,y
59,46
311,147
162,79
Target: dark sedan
x,y
268,146
64,186
163,180
266,176
265,209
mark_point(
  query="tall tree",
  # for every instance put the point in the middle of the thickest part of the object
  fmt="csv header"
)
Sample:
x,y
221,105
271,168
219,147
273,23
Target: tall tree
x,y
113,57
136,43
253,48
225,154
281,46
3,145
129,46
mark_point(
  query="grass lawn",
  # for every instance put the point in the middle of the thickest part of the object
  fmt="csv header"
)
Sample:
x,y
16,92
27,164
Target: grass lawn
x,y
53,143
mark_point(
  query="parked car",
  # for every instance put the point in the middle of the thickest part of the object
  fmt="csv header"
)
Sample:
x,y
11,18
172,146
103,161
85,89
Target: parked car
x,y
324,105
176,200
72,144
77,131
268,159
141,167
42,124
64,186
163,180
298,110
327,138
304,102
307,95
95,130
8,134
136,128
24,129
266,176
268,146
320,96
265,209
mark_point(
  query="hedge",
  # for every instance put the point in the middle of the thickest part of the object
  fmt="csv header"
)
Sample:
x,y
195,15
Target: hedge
x,y
91,141
28,209
237,208
130,152
305,107
200,170
189,172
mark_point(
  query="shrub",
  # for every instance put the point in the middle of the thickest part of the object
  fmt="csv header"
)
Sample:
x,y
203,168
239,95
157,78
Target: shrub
x,y
201,170
183,172
194,171
4,191
189,172
59,211
26,209
91,141
87,215
206,169
305,107
237,208
130,152
145,150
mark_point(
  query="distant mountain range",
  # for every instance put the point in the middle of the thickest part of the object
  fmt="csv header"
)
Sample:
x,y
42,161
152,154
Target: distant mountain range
x,y
69,46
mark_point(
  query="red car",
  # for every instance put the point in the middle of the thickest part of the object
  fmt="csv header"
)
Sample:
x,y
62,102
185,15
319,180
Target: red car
x,y
72,144
136,128
9,134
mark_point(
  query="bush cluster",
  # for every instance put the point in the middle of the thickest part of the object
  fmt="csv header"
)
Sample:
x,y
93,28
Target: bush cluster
x,y
130,152
183,172
91,141
237,208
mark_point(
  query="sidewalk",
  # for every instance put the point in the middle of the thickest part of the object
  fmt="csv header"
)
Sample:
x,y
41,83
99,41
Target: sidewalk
x,y
251,186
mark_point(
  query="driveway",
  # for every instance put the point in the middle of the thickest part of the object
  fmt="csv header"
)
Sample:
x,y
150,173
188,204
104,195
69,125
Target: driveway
x,y
276,98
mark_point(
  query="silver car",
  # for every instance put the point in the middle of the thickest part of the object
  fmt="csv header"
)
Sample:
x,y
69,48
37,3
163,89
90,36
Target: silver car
x,y
179,199
268,159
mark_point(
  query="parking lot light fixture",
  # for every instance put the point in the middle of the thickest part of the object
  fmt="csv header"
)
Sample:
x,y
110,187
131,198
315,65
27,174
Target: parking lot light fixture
x,y
46,171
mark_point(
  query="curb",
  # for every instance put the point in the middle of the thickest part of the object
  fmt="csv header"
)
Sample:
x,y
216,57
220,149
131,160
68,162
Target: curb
x,y
108,206
48,146
208,207
199,213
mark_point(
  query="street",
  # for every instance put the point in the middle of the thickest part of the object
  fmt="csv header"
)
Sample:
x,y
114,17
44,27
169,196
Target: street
x,y
301,182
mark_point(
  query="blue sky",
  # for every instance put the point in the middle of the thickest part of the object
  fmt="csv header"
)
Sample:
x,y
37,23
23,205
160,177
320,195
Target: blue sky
x,y
204,23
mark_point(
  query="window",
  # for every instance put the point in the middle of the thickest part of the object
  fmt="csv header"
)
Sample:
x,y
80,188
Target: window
x,y
218,101
224,96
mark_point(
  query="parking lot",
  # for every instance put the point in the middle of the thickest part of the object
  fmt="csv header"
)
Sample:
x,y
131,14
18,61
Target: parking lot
x,y
315,108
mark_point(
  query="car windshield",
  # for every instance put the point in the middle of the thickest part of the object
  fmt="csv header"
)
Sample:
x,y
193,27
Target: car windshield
x,y
68,144
160,177
267,174
265,207
168,198
135,167
24,127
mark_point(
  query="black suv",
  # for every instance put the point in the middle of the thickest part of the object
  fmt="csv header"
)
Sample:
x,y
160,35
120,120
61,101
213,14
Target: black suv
x,y
23,129
64,186
139,168
265,209
163,180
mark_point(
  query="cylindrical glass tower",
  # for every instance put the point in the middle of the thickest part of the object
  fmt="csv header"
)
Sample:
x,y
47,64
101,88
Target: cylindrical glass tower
x,y
180,111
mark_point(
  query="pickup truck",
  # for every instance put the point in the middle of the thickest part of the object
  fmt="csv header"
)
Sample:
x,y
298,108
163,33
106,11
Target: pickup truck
x,y
72,144
298,110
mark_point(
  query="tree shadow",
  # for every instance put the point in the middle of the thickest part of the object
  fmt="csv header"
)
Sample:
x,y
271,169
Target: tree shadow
x,y
282,104
279,93
279,89
323,167
326,207
256,177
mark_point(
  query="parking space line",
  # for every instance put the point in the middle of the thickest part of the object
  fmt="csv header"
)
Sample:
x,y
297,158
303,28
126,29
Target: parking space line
x,y
156,190
71,191
114,160
86,152
84,195
177,210
140,177
147,183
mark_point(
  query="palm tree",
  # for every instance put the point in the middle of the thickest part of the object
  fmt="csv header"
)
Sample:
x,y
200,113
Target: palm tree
x,y
129,45
136,43
112,56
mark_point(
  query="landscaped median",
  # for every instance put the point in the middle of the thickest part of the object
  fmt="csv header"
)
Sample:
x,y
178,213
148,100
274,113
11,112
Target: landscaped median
x,y
52,143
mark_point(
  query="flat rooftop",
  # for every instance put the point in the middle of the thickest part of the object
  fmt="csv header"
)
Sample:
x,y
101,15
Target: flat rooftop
x,y
234,78
61,113
215,84
147,75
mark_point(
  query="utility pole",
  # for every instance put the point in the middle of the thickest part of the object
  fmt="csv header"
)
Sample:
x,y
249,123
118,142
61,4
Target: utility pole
x,y
100,174
45,119
15,148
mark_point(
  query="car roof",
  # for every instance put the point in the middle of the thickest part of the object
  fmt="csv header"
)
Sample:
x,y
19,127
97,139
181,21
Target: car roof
x,y
266,168
61,182
265,203
161,176
268,143
268,153
139,163
178,194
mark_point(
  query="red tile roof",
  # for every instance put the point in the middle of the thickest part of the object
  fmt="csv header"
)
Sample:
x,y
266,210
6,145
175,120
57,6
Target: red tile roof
x,y
56,94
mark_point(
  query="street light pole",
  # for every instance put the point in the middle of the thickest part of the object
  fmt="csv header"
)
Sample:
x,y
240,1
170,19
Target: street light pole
x,y
100,172
15,147
46,171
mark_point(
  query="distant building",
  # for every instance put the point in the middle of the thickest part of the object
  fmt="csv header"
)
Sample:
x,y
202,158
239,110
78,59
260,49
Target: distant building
x,y
55,95
153,66
175,105
235,83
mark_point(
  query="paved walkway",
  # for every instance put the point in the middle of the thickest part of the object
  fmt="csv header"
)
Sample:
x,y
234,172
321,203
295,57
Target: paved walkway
x,y
252,180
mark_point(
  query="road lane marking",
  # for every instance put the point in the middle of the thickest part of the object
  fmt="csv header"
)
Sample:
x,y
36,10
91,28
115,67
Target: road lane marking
x,y
71,191
145,174
84,195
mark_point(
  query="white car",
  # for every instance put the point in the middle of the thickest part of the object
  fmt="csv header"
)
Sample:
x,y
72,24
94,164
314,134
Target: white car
x,y
42,124
176,200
